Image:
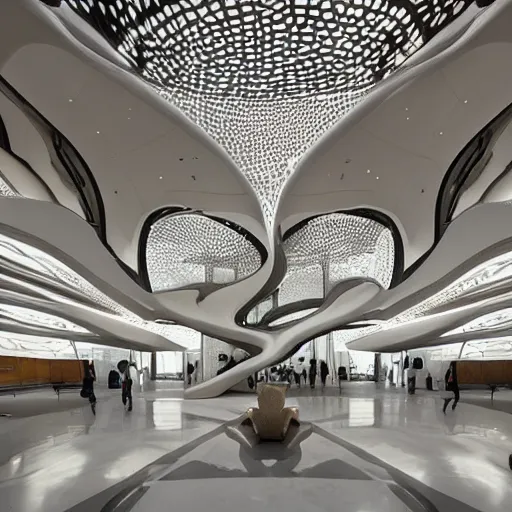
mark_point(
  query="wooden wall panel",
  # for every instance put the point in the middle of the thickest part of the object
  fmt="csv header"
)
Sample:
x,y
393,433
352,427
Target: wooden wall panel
x,y
24,371
469,372
484,372
56,371
10,374
71,371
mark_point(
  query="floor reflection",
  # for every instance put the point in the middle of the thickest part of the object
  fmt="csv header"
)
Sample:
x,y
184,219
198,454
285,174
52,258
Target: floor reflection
x,y
164,414
317,456
62,460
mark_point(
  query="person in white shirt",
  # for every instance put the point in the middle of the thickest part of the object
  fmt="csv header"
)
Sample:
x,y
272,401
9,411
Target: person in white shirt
x,y
300,371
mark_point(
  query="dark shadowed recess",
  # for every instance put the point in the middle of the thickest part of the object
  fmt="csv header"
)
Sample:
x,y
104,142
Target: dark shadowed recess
x,y
70,166
5,144
169,211
467,167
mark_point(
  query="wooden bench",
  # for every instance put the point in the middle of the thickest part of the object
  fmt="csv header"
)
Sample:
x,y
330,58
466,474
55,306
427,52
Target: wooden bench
x,y
65,387
58,388
13,390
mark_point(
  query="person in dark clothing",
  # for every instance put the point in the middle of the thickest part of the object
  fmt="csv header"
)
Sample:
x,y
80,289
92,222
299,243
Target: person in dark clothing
x,y
342,375
451,384
312,373
88,383
129,375
190,371
324,371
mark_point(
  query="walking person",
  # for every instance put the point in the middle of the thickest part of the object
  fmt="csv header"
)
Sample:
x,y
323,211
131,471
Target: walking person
x,y
324,372
296,376
451,387
299,371
129,376
312,373
88,384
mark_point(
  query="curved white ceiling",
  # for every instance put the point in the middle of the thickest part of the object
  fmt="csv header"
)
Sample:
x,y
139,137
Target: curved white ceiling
x,y
394,158
140,158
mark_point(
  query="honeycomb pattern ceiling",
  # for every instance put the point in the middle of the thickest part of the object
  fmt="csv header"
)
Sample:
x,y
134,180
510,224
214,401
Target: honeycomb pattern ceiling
x,y
266,79
186,249
268,49
343,246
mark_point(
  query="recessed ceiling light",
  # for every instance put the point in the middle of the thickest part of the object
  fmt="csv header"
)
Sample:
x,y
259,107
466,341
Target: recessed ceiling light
x,y
161,178
368,171
129,108
440,133
376,177
407,118
465,101
70,100
98,133
129,118
406,109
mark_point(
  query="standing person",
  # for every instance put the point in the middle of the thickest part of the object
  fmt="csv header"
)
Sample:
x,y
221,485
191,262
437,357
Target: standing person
x,y
88,383
385,372
129,376
342,375
190,371
299,371
146,378
411,380
312,373
451,385
324,371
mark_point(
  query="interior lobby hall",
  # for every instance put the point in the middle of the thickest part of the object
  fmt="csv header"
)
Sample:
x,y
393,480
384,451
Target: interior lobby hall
x,y
255,254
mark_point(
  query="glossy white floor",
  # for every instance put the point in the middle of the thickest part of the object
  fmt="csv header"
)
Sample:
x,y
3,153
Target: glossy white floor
x,y
52,462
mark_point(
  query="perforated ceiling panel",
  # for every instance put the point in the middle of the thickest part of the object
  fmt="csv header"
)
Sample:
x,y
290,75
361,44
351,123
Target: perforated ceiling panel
x,y
6,189
301,282
27,316
33,346
268,49
266,78
187,248
501,319
344,246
